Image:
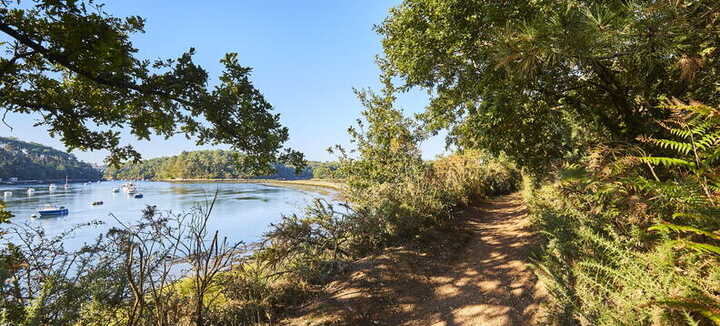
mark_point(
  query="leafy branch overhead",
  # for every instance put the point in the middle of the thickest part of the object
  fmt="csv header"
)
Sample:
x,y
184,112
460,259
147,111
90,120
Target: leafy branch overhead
x,y
544,81
74,64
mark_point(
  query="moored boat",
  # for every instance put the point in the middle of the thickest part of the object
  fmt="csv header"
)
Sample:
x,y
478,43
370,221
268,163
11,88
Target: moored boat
x,y
30,191
139,196
53,211
129,188
7,194
52,187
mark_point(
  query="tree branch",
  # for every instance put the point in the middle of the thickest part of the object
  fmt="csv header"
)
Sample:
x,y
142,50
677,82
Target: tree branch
x,y
62,60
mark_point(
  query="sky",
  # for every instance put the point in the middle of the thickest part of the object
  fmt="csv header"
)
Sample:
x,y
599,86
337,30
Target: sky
x,y
306,57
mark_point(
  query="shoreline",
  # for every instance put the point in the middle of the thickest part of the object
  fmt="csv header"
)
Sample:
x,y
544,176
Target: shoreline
x,y
333,184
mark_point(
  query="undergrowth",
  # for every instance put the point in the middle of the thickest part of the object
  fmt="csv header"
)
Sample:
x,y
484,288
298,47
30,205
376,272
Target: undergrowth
x,y
632,234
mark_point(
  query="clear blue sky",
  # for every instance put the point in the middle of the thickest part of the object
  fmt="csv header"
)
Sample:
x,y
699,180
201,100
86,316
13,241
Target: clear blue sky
x,y
306,55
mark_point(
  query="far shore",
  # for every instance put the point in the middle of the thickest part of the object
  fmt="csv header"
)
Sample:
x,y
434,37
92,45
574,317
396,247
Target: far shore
x,y
333,184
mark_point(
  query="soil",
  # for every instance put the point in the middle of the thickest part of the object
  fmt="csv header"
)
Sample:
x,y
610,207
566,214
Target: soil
x,y
479,275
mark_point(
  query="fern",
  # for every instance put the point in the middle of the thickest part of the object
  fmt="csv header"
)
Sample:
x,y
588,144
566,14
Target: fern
x,y
667,161
681,147
667,227
708,311
699,247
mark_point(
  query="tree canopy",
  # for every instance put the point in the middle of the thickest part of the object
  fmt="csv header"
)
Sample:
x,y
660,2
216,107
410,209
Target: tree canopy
x,y
74,64
541,80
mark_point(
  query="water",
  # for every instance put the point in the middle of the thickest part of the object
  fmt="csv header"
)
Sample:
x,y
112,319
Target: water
x,y
242,212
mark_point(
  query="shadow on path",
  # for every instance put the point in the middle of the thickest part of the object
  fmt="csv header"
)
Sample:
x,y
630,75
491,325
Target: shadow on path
x,y
480,277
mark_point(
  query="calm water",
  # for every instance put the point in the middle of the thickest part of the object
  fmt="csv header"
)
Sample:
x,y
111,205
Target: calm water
x,y
242,212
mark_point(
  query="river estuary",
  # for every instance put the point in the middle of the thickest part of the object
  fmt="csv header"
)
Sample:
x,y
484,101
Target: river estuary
x,y
242,212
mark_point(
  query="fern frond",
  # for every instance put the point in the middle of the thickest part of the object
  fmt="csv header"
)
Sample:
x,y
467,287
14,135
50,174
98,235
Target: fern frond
x,y
690,216
696,246
708,141
703,247
666,161
677,146
682,133
714,317
713,157
690,320
667,227
706,310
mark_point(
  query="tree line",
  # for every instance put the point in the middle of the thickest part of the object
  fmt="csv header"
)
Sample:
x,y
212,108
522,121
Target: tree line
x,y
211,164
31,161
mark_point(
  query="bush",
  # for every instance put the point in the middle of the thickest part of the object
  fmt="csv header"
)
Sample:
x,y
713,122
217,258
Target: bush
x,y
382,214
472,175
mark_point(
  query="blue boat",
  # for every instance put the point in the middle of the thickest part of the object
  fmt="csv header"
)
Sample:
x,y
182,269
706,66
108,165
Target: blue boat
x,y
53,211
139,196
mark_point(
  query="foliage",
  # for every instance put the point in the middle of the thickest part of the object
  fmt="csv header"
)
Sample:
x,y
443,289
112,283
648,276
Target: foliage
x,y
204,164
43,283
164,270
325,170
4,214
543,81
73,63
394,197
470,173
625,248
385,152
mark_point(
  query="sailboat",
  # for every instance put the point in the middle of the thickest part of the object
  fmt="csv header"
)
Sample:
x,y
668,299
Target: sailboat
x,y
67,186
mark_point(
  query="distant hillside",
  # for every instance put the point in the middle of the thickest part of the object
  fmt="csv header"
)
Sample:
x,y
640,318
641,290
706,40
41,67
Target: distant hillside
x,y
31,161
206,164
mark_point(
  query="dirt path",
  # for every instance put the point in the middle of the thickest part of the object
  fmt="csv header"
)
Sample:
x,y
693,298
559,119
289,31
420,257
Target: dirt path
x,y
480,277
491,283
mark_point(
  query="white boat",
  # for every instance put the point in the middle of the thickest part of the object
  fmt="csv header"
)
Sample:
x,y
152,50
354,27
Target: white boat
x,y
129,188
7,194
67,186
52,187
30,191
